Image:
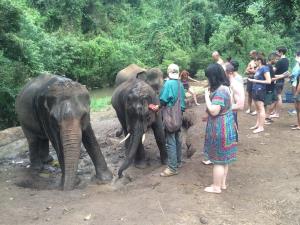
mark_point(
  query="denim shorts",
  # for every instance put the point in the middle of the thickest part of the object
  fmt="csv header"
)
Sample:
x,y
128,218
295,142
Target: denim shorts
x,y
259,95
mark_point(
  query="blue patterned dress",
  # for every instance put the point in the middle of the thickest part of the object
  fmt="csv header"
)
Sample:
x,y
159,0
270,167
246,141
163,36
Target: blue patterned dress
x,y
220,145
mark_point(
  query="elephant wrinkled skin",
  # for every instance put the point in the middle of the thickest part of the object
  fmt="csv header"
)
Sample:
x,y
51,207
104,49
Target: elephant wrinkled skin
x,y
55,108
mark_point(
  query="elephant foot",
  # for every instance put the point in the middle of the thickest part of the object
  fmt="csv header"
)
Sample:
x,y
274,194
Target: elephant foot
x,y
47,159
141,164
36,165
103,177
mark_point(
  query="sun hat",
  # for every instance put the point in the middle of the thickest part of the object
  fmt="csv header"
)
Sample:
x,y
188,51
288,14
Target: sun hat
x,y
173,71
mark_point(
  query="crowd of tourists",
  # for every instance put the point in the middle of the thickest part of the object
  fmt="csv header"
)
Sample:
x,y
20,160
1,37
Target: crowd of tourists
x,y
225,96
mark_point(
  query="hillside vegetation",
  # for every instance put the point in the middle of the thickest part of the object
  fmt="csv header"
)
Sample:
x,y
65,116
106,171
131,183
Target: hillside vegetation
x,y
90,40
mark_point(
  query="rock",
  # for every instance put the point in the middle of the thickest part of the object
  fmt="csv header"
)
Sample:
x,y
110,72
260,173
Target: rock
x,y
10,135
203,220
13,149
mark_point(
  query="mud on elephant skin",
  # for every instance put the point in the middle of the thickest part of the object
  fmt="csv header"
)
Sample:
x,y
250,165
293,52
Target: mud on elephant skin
x,y
55,108
152,76
130,101
195,129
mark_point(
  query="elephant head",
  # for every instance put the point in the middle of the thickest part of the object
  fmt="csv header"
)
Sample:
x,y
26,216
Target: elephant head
x,y
131,101
65,104
153,77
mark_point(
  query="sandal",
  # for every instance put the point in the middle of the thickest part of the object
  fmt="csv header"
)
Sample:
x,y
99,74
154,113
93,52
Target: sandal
x,y
295,128
206,162
168,172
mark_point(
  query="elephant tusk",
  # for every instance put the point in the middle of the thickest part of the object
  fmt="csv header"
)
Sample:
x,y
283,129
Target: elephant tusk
x,y
143,138
127,136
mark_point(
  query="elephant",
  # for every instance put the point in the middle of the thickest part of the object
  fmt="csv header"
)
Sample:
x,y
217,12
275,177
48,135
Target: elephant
x,y
130,101
152,76
55,108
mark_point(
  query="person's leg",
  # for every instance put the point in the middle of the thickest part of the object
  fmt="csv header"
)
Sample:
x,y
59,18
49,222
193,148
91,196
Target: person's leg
x,y
171,151
278,103
194,96
224,185
178,148
261,115
218,175
257,116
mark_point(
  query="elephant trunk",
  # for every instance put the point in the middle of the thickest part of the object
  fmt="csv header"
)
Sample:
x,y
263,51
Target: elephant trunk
x,y
135,140
71,142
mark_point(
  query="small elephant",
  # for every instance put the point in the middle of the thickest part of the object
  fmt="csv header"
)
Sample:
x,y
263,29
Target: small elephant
x,y
55,108
153,76
131,100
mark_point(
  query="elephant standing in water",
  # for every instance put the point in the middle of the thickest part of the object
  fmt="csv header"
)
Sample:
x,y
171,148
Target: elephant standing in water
x,y
57,109
131,100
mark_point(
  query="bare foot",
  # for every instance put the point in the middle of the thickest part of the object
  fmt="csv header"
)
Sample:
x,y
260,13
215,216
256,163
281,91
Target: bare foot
x,y
258,130
213,189
254,127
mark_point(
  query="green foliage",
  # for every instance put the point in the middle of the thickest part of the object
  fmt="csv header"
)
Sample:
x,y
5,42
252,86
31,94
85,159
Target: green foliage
x,y
98,104
91,40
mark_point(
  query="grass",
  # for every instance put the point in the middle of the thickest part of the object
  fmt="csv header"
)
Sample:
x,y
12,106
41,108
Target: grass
x,y
98,104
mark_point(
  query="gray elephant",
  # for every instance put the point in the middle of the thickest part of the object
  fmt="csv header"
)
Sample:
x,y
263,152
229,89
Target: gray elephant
x,y
57,109
153,76
131,100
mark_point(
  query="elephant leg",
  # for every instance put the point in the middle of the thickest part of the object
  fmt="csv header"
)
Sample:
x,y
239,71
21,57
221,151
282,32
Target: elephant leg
x,y
34,156
159,135
140,157
33,144
44,151
93,149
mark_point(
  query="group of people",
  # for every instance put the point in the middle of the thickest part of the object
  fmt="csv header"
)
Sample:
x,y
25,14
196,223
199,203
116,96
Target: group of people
x,y
224,97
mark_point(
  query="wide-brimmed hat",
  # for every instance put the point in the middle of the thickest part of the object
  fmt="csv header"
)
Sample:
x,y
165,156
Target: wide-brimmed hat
x,y
173,71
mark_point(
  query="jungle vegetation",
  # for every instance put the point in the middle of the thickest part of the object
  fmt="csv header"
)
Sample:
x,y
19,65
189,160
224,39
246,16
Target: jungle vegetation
x,y
90,40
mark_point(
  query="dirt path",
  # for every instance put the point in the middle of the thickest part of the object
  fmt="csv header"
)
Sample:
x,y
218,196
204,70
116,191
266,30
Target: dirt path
x,y
264,186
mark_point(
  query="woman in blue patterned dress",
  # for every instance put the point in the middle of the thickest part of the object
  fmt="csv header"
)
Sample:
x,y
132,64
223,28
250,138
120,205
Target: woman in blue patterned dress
x,y
220,145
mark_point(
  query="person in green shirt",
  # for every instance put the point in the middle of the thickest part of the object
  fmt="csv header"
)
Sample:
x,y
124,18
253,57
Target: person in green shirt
x,y
168,97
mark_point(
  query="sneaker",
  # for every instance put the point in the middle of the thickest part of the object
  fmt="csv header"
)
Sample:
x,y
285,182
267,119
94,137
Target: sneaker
x,y
253,113
168,172
248,111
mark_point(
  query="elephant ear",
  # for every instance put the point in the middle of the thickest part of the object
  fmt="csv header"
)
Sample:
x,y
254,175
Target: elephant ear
x,y
142,75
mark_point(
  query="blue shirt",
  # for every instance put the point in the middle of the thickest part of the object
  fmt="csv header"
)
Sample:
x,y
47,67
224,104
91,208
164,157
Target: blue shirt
x,y
259,75
169,93
295,72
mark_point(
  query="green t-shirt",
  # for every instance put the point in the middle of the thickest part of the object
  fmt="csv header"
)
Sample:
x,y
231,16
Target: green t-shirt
x,y
169,93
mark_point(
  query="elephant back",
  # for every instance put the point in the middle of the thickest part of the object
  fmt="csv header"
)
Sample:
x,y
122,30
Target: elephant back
x,y
128,73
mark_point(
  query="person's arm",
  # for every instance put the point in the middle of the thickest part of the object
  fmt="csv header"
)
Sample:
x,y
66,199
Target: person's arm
x,y
266,81
280,76
297,92
239,98
214,110
193,79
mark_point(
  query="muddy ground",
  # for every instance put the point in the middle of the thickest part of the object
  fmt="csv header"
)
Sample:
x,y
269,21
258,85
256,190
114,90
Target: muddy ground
x,y
263,185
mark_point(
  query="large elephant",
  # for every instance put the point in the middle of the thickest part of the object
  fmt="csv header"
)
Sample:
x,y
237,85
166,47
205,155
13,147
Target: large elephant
x,y
55,108
153,76
131,100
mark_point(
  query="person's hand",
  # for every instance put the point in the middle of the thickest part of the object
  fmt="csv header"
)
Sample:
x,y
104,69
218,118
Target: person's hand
x,y
206,92
287,74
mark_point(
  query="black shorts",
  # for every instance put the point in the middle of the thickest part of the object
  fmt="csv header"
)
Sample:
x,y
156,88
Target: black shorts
x,y
259,95
279,88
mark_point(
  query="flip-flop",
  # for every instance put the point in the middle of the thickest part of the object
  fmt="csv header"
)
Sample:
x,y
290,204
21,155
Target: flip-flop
x,y
294,125
206,162
295,128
